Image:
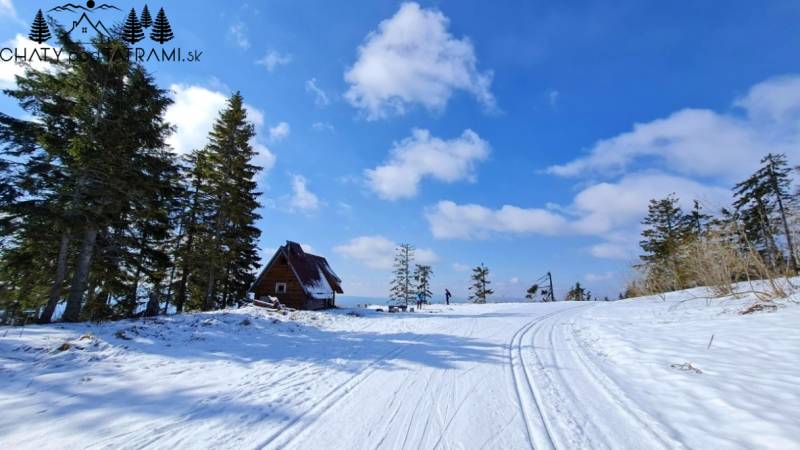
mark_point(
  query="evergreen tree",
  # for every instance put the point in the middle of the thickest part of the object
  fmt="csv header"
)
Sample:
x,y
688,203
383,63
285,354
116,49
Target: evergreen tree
x,y
93,182
193,208
480,285
762,202
697,221
577,293
666,230
147,20
40,32
422,277
401,291
162,32
225,237
666,225
530,294
132,31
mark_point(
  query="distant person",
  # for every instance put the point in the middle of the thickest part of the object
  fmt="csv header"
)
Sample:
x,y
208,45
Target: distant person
x,y
420,300
447,296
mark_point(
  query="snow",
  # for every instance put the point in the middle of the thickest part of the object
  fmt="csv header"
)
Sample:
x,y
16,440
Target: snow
x,y
319,289
559,375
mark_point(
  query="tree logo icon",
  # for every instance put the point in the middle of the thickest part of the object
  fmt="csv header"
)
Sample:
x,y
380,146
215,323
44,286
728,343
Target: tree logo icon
x,y
146,20
132,31
162,32
40,32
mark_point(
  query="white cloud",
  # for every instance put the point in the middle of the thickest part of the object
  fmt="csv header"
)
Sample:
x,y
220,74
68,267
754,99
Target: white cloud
x,y
237,33
611,211
302,199
599,277
422,155
701,142
609,250
274,59
320,97
279,132
514,280
378,252
323,126
449,220
605,207
9,70
412,58
193,113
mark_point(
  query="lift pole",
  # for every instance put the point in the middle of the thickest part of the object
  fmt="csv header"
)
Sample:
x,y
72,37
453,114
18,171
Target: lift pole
x,y
552,294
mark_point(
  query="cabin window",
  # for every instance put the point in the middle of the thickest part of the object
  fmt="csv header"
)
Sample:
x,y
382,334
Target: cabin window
x,y
280,288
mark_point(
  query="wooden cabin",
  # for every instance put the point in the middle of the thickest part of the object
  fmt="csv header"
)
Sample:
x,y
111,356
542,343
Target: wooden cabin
x,y
298,279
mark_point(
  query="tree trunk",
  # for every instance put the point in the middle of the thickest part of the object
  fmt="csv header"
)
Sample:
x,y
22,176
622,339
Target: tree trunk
x,y
58,282
153,303
789,243
774,252
209,303
80,279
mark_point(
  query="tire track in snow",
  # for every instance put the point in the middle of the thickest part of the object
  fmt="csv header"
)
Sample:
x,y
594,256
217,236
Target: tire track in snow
x,y
592,413
536,423
332,398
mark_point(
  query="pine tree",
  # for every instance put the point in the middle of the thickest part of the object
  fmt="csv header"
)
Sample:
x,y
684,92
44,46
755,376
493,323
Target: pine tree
x,y
194,208
577,293
40,32
225,252
666,230
762,202
666,225
530,294
422,277
697,221
480,286
147,20
162,32
401,291
132,31
101,189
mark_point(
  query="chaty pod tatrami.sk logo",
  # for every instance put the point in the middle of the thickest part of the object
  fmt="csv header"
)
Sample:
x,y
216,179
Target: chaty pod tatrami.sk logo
x,y
136,27
91,24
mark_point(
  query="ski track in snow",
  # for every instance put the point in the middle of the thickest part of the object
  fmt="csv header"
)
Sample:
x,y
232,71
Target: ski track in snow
x,y
502,376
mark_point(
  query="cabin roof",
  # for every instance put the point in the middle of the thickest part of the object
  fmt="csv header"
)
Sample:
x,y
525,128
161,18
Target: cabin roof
x,y
312,271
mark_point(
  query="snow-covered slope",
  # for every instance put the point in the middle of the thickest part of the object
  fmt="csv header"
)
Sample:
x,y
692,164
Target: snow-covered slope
x,y
632,374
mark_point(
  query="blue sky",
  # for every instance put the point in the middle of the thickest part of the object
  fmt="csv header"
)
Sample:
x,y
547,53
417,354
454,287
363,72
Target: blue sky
x,y
524,135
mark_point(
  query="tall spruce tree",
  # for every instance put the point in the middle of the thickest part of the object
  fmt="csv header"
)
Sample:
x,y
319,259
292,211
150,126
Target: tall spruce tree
x,y
422,277
194,208
665,231
402,289
762,202
87,176
225,240
480,290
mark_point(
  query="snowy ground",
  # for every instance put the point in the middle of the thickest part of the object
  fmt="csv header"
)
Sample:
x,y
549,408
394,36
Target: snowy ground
x,y
631,374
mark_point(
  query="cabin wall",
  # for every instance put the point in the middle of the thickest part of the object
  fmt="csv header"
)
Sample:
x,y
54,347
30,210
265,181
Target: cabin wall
x,y
281,272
